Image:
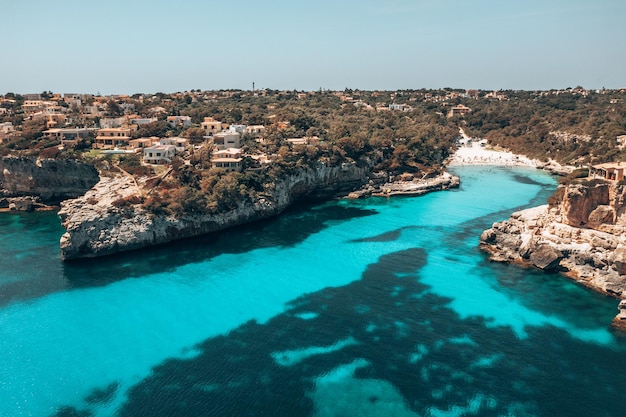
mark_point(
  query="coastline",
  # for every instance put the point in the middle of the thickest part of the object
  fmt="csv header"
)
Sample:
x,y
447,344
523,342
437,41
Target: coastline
x,y
479,152
531,250
100,229
407,185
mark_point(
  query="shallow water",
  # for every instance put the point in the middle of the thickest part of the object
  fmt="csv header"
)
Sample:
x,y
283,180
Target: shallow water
x,y
368,307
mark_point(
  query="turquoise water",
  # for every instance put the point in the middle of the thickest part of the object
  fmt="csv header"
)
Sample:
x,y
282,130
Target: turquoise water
x,y
370,307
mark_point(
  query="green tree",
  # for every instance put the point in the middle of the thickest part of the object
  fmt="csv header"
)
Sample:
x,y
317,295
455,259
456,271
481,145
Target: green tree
x,y
114,109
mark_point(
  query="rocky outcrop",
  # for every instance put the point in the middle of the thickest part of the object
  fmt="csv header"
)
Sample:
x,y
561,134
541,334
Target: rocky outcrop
x,y
620,320
23,204
52,180
95,226
407,184
579,202
583,235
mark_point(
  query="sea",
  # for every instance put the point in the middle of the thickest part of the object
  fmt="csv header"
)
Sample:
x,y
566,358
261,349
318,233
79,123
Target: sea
x,y
371,307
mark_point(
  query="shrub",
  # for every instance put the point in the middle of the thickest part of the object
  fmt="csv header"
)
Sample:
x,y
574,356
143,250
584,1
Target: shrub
x,y
49,153
590,182
155,205
579,173
127,201
556,198
132,164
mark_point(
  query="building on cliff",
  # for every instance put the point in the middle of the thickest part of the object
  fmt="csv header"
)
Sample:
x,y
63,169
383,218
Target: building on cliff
x,y
612,171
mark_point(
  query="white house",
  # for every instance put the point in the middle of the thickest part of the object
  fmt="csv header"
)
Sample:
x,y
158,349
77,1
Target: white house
x,y
401,107
224,140
237,129
6,127
179,143
128,107
159,154
255,130
143,121
175,121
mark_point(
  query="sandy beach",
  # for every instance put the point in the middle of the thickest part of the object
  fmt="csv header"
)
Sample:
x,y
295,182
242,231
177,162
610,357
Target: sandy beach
x,y
473,151
477,154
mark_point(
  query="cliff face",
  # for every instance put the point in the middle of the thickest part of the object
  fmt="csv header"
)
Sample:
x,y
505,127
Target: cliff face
x,y
50,179
95,227
583,236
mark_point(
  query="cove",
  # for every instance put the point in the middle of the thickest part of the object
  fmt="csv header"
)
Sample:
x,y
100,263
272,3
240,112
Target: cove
x,y
370,307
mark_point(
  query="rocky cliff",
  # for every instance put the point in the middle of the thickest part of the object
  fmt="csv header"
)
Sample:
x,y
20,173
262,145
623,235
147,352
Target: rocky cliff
x,y
582,234
97,227
51,180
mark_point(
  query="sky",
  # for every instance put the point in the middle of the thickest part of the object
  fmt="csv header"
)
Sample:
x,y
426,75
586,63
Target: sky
x,y
149,46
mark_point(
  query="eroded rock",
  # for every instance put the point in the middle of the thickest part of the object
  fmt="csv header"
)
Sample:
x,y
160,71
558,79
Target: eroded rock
x,y
545,257
582,235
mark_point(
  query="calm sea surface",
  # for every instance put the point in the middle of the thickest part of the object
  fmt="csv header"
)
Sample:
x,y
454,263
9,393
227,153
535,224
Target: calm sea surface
x,y
376,307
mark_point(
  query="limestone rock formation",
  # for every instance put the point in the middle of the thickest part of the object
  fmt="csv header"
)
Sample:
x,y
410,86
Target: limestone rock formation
x,y
620,320
582,235
95,226
580,201
545,257
407,184
52,180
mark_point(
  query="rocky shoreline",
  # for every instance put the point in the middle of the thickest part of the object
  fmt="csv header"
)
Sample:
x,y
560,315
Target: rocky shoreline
x,y
32,182
582,235
26,203
97,227
408,185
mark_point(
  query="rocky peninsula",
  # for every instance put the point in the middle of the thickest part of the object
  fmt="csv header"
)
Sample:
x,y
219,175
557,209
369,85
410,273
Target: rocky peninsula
x,y
581,233
97,224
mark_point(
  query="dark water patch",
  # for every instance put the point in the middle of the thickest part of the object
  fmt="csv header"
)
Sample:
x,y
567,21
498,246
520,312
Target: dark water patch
x,y
30,288
422,231
239,369
383,237
523,179
549,292
31,259
407,336
102,395
72,412
292,227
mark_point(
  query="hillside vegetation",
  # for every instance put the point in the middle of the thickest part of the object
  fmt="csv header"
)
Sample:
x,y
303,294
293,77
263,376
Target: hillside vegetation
x,y
410,131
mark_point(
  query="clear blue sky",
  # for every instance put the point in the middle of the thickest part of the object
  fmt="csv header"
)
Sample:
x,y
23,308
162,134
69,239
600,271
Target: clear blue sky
x,y
132,46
